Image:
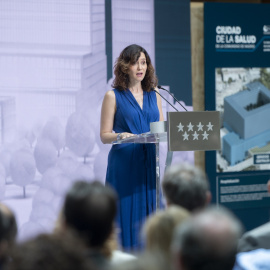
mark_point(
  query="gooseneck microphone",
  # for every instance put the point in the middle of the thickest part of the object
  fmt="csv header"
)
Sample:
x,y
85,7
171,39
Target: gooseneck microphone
x,y
164,98
159,87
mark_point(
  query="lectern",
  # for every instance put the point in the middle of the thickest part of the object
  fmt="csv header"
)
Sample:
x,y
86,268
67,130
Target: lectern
x,y
184,131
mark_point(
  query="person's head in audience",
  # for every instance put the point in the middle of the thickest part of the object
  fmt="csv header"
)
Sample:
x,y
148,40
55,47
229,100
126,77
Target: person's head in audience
x,y
8,231
49,252
89,210
159,228
207,241
187,186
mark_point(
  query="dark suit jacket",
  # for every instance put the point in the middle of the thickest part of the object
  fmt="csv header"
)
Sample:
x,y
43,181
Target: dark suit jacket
x,y
256,238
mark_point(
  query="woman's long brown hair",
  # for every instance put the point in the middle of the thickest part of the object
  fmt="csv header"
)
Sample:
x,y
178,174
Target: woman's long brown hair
x,y
129,56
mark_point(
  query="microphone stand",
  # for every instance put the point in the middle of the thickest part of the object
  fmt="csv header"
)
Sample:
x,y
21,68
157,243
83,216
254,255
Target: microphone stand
x,y
165,99
159,87
169,153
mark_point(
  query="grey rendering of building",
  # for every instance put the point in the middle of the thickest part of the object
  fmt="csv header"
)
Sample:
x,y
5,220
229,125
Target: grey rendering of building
x,y
246,117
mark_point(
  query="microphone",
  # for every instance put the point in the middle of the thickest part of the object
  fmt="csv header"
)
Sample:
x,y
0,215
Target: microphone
x,y
164,98
159,87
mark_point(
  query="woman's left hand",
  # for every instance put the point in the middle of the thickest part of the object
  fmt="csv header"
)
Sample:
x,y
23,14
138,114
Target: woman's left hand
x,y
125,135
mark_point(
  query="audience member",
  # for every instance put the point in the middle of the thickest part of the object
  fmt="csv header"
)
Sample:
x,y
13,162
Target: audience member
x,y
256,238
159,228
208,240
8,232
49,252
145,261
89,210
186,186
112,251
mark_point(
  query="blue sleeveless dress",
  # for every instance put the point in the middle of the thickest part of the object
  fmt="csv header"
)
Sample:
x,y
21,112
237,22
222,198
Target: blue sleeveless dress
x,y
131,167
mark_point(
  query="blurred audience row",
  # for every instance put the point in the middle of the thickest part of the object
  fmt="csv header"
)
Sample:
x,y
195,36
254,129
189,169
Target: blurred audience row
x,y
188,234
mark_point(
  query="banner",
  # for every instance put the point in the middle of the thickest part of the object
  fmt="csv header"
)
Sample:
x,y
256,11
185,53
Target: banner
x,y
237,83
53,77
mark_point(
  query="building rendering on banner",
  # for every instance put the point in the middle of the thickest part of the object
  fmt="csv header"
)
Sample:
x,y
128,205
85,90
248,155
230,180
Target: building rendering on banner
x,y
133,22
53,56
246,117
53,64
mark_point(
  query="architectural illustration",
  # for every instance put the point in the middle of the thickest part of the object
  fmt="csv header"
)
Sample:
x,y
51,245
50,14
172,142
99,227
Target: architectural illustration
x,y
246,117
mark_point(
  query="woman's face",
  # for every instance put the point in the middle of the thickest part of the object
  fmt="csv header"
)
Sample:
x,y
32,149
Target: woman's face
x,y
137,71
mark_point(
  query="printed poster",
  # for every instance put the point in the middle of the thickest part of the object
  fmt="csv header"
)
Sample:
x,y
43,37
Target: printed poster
x,y
237,84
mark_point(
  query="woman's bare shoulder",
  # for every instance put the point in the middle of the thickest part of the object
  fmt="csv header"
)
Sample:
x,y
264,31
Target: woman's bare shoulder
x,y
110,95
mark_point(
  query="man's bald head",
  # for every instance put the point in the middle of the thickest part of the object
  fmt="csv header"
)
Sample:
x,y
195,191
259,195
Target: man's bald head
x,y
208,240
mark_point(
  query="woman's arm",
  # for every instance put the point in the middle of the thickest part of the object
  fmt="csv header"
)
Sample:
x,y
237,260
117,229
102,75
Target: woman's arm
x,y
107,117
161,118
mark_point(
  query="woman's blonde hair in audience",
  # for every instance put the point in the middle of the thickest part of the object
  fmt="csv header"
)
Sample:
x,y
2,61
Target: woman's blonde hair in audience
x,y
159,228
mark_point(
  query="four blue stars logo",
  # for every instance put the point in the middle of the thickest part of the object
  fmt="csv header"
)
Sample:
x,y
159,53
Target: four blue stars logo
x,y
196,134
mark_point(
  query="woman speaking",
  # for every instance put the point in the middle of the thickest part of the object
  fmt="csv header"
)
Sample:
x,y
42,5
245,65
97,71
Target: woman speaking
x,y
129,109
